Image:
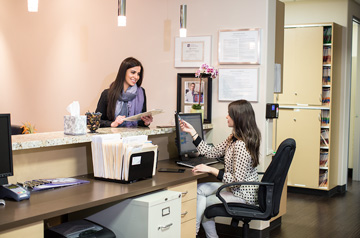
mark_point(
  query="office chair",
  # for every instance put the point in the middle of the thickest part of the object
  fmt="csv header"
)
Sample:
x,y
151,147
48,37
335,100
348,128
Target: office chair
x,y
269,193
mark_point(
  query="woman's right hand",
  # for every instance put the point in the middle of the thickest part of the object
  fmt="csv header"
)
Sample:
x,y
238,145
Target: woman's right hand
x,y
118,121
187,127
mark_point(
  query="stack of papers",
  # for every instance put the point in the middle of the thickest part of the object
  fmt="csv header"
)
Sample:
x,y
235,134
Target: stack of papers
x,y
113,156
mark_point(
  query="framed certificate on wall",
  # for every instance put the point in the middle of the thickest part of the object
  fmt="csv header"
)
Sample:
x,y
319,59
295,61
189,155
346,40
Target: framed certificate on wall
x,y
192,51
239,46
236,84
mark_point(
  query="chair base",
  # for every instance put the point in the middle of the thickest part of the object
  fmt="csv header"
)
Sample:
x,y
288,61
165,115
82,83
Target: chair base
x,y
228,231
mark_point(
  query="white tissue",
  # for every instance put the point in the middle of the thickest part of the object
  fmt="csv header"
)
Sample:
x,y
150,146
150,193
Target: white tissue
x,y
74,108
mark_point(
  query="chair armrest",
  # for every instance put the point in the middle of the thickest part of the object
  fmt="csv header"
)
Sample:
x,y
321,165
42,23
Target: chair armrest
x,y
269,193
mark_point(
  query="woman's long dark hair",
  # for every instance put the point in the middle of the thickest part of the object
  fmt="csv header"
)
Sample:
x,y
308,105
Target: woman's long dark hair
x,y
116,88
245,128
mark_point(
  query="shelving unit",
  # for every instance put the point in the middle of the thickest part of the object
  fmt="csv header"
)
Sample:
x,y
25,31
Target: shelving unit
x,y
307,111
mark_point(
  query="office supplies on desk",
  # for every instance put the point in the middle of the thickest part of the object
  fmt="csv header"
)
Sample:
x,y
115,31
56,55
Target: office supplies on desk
x,y
188,154
43,184
123,159
14,191
171,170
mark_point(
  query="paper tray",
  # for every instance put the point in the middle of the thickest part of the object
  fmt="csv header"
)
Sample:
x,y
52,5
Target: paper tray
x,y
138,171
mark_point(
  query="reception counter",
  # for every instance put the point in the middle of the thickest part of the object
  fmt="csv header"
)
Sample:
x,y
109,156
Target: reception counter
x,y
58,138
54,154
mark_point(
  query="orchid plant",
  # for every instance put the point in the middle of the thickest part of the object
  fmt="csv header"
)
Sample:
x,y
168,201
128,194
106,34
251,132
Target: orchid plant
x,y
204,71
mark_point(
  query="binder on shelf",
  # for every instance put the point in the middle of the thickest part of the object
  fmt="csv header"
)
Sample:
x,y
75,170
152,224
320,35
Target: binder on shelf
x,y
123,160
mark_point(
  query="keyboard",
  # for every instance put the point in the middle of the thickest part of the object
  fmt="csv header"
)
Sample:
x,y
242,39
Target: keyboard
x,y
192,162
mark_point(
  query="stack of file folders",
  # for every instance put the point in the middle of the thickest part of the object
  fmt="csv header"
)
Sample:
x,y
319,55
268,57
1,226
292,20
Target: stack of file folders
x,y
124,160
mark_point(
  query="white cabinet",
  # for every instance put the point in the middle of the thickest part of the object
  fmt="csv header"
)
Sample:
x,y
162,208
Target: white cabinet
x,y
157,215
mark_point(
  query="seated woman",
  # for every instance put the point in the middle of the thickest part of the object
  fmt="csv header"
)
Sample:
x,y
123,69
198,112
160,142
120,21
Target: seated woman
x,y
124,97
241,157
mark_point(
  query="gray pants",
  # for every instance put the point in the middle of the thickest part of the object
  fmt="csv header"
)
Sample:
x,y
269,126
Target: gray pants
x,y
206,196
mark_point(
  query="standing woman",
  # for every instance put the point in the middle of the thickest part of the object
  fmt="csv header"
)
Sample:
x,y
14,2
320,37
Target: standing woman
x,y
241,156
124,97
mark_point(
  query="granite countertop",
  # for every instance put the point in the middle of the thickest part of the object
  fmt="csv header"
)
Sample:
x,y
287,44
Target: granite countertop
x,y
48,139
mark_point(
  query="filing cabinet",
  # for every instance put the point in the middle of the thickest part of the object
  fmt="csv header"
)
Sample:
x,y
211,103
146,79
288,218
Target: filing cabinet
x,y
188,208
156,215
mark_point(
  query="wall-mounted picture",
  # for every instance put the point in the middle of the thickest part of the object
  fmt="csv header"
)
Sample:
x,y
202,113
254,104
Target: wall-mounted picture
x,y
192,51
193,92
190,92
239,46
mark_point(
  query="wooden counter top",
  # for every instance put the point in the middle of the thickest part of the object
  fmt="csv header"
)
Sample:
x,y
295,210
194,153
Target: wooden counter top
x,y
47,139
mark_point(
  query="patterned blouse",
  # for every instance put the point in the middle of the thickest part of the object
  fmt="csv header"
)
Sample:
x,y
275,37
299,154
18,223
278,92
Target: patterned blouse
x,y
237,166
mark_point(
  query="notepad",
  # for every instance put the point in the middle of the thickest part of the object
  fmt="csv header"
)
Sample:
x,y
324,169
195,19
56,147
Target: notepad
x,y
137,117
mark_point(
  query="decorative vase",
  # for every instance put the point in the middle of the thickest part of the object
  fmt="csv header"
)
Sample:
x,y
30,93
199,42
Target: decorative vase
x,y
93,121
192,110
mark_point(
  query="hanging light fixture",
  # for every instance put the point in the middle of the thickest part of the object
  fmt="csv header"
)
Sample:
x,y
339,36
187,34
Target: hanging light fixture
x,y
121,12
183,16
33,5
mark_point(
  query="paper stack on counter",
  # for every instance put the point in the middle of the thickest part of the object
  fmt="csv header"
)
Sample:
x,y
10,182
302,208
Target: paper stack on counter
x,y
123,159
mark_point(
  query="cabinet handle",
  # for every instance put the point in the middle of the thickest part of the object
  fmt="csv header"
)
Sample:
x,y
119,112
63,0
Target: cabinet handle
x,y
294,119
184,214
295,93
184,193
165,227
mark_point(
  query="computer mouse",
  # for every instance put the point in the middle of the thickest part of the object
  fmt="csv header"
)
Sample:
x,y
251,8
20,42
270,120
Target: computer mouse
x,y
2,202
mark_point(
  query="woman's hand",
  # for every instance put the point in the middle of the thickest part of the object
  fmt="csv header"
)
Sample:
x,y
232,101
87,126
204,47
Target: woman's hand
x,y
187,127
147,120
118,121
202,168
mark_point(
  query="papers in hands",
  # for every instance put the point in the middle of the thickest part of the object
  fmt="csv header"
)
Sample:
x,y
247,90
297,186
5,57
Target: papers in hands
x,y
148,113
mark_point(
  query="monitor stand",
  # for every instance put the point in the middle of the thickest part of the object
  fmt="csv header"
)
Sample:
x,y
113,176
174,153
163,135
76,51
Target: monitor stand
x,y
4,181
189,156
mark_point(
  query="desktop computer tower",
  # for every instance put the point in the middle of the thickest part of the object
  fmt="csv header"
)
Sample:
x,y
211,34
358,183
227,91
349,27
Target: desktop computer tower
x,y
155,215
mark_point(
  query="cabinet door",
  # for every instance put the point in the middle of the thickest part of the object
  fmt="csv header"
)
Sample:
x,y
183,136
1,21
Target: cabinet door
x,y
303,57
303,125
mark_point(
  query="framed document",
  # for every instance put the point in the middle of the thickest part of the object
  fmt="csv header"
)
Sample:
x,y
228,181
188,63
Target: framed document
x,y
239,46
192,51
236,84
189,93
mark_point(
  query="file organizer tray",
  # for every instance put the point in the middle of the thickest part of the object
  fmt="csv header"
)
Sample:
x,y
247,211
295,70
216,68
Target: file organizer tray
x,y
141,166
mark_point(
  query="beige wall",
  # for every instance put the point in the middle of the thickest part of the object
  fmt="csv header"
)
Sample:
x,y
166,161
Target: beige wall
x,y
71,50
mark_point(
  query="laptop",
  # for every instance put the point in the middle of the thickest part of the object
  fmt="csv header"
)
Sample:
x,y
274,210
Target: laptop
x,y
188,155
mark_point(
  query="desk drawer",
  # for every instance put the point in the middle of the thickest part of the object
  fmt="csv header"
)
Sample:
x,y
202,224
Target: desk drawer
x,y
188,229
188,190
188,210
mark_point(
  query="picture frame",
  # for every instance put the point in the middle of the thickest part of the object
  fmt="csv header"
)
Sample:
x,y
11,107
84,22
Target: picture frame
x,y
236,84
192,51
240,46
185,98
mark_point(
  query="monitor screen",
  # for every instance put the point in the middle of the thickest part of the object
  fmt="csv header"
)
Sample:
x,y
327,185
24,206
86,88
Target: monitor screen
x,y
6,162
184,140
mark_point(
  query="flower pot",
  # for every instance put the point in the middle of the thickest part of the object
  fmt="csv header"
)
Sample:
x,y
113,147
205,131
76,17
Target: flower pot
x,y
192,110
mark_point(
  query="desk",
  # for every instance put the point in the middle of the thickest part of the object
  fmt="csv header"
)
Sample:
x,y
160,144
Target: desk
x,y
51,203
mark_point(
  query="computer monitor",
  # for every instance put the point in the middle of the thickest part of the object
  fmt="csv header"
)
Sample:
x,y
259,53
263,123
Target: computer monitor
x,y
6,159
185,145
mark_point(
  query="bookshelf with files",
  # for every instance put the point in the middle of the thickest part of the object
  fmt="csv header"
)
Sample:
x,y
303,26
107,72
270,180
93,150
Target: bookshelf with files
x,y
312,48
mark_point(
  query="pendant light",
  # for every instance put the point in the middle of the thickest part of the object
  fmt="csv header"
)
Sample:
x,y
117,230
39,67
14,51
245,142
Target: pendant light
x,y
121,12
33,5
183,16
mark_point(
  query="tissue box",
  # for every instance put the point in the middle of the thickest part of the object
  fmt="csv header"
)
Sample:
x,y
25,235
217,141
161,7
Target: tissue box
x,y
74,125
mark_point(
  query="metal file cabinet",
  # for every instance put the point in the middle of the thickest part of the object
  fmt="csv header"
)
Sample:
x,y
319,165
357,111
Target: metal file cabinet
x,y
156,215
